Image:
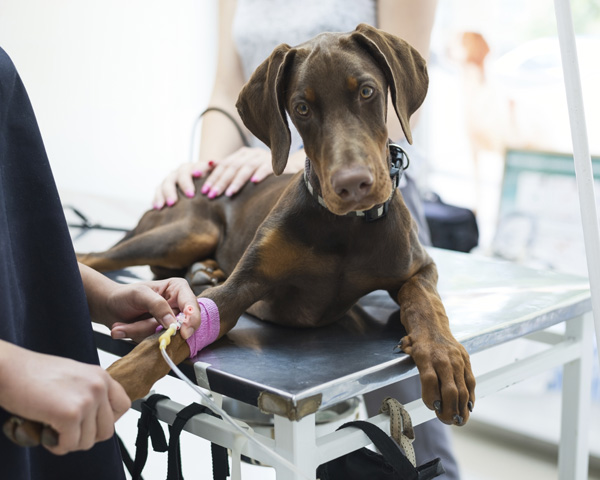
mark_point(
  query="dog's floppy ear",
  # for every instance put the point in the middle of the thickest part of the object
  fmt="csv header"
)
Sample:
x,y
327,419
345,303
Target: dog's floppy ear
x,y
404,68
261,105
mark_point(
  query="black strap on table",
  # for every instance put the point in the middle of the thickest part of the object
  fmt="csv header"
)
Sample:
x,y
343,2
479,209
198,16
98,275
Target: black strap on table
x,y
389,450
125,456
219,454
148,426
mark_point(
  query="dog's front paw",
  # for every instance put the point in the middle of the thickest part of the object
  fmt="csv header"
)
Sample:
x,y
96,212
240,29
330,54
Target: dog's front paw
x,y
202,275
447,381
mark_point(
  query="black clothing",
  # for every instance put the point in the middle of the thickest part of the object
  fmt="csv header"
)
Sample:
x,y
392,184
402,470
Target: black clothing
x,y
42,301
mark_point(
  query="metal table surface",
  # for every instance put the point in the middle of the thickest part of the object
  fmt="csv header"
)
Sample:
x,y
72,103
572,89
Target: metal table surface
x,y
293,372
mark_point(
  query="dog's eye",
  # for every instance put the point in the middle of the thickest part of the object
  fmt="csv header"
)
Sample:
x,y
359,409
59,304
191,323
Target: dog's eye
x,y
302,109
366,92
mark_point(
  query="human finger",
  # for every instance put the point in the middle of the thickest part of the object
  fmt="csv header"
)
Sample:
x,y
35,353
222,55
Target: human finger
x,y
136,331
105,422
68,439
158,202
219,180
95,412
185,179
240,178
203,168
72,420
173,293
118,399
88,430
254,166
166,192
234,171
182,298
262,172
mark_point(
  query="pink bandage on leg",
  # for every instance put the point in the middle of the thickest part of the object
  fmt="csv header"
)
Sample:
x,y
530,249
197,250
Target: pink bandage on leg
x,y
209,328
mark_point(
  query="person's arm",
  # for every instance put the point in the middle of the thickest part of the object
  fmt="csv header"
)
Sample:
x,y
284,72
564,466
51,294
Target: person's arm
x,y
219,137
81,402
223,158
412,21
135,310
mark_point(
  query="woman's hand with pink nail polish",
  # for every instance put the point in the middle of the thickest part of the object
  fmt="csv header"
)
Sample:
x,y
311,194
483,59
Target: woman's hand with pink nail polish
x,y
231,173
182,178
226,176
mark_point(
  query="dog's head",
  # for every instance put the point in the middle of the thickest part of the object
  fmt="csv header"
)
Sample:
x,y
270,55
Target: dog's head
x,y
334,88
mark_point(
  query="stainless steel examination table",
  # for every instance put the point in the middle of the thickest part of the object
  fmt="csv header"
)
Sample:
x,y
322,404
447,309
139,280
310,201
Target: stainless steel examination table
x,y
294,373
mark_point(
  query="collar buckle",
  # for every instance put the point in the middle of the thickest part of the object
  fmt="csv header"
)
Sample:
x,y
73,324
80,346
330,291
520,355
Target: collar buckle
x,y
399,163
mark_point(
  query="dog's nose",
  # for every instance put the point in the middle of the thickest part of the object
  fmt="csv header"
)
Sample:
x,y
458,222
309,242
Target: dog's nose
x,y
352,184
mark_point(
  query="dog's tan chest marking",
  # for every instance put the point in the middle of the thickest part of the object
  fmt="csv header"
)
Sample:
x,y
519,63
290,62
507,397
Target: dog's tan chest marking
x,y
281,256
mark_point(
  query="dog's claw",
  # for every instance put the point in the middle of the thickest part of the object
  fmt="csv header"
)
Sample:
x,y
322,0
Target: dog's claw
x,y
470,406
201,278
458,420
398,348
437,405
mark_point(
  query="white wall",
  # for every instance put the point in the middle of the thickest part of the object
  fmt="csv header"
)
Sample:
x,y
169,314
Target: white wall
x,y
115,85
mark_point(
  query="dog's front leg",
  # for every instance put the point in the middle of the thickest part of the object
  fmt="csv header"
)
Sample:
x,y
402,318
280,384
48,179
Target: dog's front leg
x,y
139,370
251,280
448,384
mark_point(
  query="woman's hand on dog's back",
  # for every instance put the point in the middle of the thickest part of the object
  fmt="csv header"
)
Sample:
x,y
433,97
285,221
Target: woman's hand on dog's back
x,y
226,176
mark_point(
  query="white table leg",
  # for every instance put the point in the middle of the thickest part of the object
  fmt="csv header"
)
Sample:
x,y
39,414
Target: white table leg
x,y
581,151
296,441
576,404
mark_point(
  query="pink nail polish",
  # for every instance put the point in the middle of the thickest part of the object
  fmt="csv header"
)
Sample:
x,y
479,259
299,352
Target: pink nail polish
x,y
190,194
205,188
229,192
254,180
170,202
213,194
196,174
157,206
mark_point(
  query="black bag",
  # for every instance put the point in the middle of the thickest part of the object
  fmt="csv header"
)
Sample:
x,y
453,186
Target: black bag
x,y
391,464
451,227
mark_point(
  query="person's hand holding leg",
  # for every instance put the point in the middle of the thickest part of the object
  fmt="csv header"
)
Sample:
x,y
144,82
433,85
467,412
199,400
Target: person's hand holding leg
x,y
81,402
135,310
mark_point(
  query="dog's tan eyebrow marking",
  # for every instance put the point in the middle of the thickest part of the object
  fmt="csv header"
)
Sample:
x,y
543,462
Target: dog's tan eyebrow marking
x,y
309,94
352,83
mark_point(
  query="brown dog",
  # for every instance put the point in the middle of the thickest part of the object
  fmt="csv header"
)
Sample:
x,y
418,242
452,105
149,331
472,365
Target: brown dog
x,y
299,255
